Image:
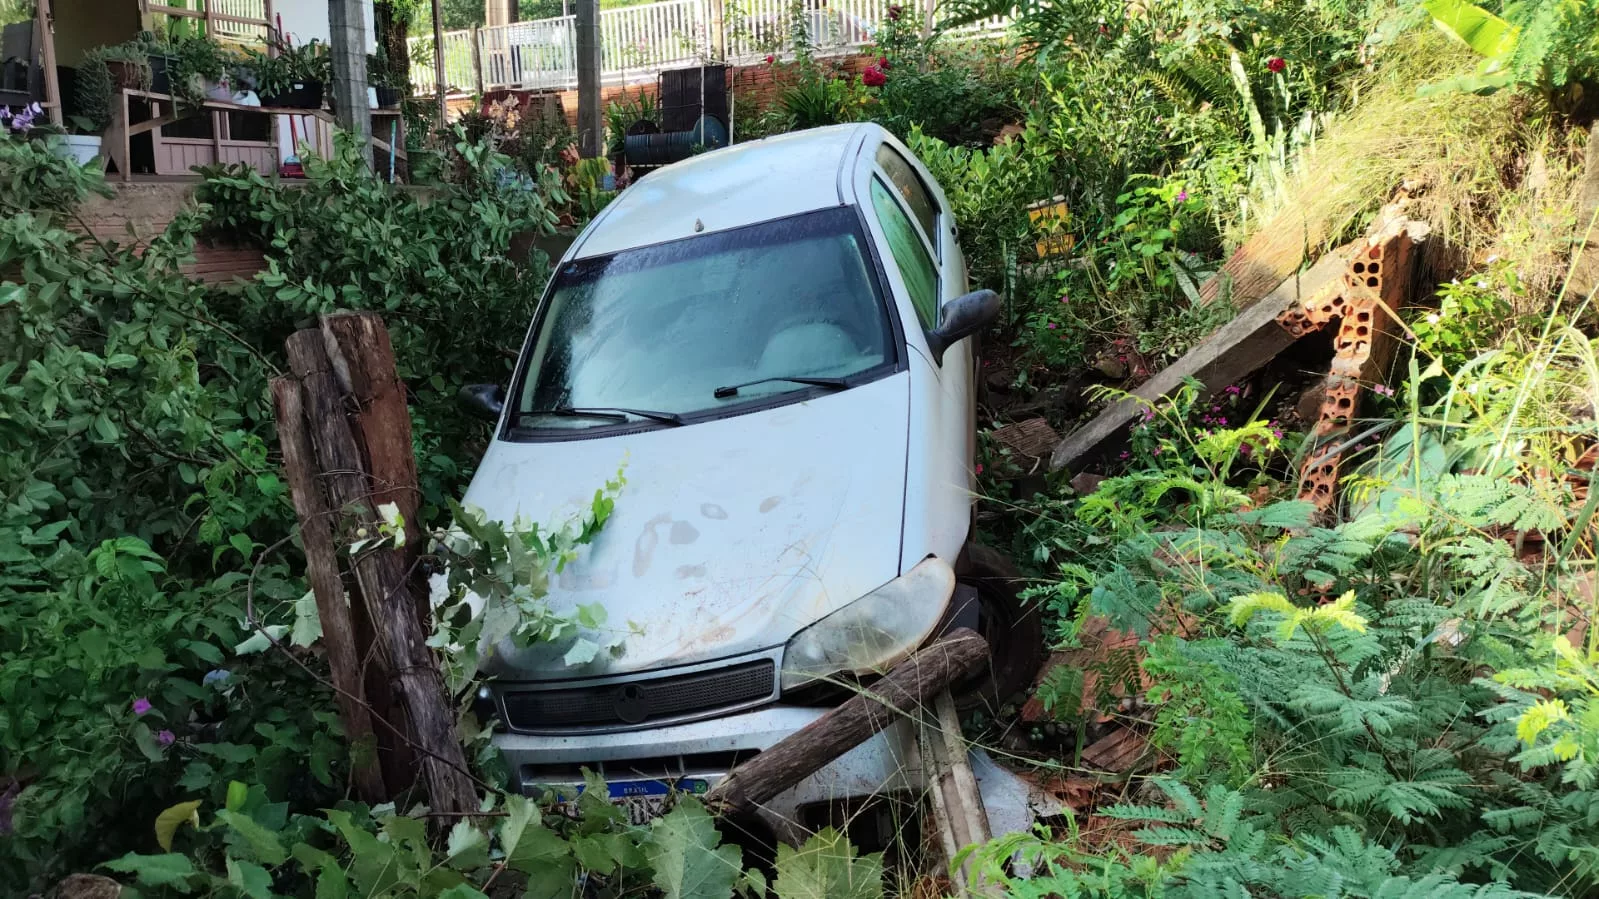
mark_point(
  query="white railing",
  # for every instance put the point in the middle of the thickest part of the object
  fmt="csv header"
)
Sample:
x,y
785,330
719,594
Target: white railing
x,y
638,41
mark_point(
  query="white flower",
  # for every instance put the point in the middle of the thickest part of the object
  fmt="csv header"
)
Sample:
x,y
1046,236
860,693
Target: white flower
x,y
1432,318
1481,284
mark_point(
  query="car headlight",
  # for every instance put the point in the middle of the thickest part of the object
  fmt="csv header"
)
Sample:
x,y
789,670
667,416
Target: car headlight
x,y
875,632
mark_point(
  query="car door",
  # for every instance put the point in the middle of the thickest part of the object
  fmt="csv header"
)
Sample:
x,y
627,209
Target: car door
x,y
916,241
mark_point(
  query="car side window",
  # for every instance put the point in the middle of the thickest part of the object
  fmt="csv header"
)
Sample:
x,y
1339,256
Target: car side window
x,y
909,186
915,265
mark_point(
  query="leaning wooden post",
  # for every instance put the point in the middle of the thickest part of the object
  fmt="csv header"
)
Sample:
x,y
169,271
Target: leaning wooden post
x,y
383,577
322,570
903,692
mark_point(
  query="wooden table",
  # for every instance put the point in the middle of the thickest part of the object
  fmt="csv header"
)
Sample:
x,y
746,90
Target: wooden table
x,y
177,155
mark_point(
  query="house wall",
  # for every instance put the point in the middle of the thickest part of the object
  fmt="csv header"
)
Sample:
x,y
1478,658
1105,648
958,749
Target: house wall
x,y
82,25
307,20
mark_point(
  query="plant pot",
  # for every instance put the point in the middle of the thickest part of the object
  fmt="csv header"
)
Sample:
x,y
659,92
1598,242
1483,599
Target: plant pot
x,y
160,74
125,73
222,92
388,97
303,95
80,148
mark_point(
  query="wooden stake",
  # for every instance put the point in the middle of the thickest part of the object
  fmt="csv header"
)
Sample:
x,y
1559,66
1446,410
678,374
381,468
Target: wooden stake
x,y
381,575
322,570
907,690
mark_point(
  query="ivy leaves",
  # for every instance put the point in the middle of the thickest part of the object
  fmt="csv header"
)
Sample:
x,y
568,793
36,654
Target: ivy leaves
x,y
686,856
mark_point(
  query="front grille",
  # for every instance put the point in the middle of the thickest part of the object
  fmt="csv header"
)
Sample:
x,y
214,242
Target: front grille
x,y
640,702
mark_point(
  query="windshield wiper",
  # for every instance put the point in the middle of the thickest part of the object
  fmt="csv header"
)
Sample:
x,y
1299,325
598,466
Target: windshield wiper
x,y
733,389
615,413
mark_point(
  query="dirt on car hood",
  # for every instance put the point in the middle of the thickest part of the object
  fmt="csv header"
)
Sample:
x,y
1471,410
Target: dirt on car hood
x,y
728,537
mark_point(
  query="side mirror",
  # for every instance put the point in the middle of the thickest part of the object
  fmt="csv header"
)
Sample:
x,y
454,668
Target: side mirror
x,y
963,316
486,401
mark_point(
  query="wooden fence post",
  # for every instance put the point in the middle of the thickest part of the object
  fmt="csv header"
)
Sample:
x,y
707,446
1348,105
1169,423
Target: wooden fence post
x,y
322,570
354,350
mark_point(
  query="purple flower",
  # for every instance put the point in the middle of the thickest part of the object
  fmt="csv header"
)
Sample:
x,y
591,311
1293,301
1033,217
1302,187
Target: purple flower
x,y
1182,196
1149,413
141,706
1125,455
218,675
1050,326
1382,390
1233,389
165,737
1277,432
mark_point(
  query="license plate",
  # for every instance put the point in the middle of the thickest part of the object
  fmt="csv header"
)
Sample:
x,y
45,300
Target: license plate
x,y
645,800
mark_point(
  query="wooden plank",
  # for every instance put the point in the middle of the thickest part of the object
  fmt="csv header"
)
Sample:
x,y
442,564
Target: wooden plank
x,y
904,692
1253,338
322,570
384,585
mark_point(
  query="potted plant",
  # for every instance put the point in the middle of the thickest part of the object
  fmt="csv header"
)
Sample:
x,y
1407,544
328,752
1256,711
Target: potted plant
x,y
292,76
30,123
199,70
103,72
389,85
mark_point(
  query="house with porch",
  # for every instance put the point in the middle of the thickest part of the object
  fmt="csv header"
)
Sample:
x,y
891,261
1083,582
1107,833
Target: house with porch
x,y
149,130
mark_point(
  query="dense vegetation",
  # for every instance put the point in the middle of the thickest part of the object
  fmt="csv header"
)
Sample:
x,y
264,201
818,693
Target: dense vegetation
x,y
1398,699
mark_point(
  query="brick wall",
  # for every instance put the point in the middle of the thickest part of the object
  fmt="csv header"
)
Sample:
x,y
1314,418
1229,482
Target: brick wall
x,y
139,211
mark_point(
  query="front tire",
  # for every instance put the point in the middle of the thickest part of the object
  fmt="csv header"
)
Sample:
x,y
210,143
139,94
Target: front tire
x,y
1013,628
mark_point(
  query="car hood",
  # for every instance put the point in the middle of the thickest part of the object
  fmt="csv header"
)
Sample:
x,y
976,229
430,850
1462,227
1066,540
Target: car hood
x,y
729,536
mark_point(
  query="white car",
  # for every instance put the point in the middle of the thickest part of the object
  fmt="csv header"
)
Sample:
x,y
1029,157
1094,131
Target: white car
x,y
774,339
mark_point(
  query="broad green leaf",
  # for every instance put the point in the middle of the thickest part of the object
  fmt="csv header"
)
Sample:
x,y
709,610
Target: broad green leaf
x,y
826,867
1485,33
462,891
145,740
582,652
168,822
237,794
262,844
307,621
169,870
251,879
467,848
687,858
259,642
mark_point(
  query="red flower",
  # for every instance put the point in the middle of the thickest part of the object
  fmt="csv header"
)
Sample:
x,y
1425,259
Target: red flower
x,y
882,63
894,12
873,77
770,59
1276,64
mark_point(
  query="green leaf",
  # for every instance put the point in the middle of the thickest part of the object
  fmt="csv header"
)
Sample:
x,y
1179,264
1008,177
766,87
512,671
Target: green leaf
x,y
145,740
251,879
307,621
826,867
169,870
582,652
259,642
462,891
467,848
687,858
168,822
237,794
262,844
1485,33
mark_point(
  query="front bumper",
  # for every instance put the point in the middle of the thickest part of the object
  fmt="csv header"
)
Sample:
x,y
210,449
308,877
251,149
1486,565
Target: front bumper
x,y
885,763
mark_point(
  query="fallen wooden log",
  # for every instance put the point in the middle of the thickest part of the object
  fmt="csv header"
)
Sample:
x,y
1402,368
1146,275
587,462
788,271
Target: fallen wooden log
x,y
1234,351
908,690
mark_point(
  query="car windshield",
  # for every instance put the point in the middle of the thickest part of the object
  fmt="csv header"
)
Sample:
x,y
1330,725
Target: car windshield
x,y
662,328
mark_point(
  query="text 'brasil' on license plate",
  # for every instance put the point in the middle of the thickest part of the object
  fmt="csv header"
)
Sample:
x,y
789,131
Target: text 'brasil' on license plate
x,y
645,800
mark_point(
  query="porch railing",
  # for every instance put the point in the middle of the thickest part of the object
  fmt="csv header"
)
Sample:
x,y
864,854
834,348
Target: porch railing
x,y
640,41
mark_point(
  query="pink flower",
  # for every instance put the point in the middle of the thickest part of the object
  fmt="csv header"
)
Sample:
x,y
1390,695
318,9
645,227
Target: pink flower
x,y
873,77
770,58
141,706
165,737
979,468
1050,326
1276,64
1182,196
1064,298
1382,390
882,63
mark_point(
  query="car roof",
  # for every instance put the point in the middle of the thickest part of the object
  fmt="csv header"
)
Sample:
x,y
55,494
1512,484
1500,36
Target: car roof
x,y
767,179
